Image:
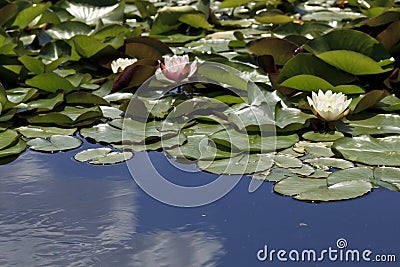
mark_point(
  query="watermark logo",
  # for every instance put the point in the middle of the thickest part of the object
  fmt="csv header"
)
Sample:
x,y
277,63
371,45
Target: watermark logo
x,y
254,111
341,253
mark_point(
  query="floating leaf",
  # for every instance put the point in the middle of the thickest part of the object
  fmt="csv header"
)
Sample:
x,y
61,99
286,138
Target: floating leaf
x,y
369,100
54,143
13,149
103,133
327,163
233,3
370,124
295,185
388,175
351,174
85,98
42,81
322,136
339,191
28,14
351,40
280,49
305,82
352,62
43,131
68,29
241,164
111,112
47,103
70,116
285,161
7,137
369,150
307,64
102,156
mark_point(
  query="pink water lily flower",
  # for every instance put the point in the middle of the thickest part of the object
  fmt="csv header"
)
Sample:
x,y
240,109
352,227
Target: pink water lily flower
x,y
329,106
177,68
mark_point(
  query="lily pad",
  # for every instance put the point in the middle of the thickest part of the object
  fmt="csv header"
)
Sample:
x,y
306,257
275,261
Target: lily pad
x,y
103,133
43,131
351,174
339,191
322,136
295,185
370,124
7,137
369,150
41,81
13,149
352,62
327,163
241,164
285,161
54,143
102,156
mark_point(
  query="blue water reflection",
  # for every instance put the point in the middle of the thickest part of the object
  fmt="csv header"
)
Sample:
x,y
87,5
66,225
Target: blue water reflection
x,y
58,212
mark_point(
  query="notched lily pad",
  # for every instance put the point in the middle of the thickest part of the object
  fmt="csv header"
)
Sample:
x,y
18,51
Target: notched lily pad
x,y
371,151
102,156
55,143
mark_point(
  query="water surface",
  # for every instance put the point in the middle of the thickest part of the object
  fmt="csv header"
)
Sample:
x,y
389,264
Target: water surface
x,y
58,212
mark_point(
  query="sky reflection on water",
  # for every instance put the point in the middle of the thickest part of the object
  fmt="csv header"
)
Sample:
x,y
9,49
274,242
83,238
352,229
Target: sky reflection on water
x,y
58,212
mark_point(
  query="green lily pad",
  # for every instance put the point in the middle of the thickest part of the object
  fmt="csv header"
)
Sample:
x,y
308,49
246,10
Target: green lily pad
x,y
20,95
28,14
351,174
102,156
70,116
309,83
13,149
370,124
339,191
233,3
319,151
352,62
85,98
103,133
69,29
295,185
388,175
241,164
326,163
54,143
369,150
47,103
198,147
347,39
254,143
322,136
285,116
41,81
111,112
285,161
281,50
7,137
308,64
273,175
43,131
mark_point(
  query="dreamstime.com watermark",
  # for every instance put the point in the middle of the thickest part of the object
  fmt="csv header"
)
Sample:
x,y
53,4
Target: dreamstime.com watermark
x,y
254,111
339,253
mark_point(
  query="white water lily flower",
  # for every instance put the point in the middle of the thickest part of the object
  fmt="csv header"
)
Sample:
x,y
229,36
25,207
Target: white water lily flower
x,y
122,63
177,68
329,106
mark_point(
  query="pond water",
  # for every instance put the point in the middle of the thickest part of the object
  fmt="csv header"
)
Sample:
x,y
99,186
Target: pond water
x,y
58,212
